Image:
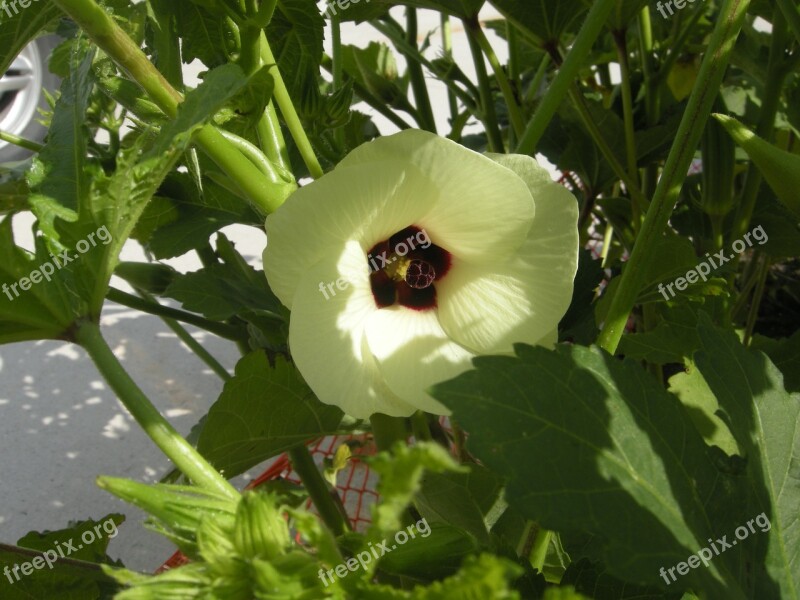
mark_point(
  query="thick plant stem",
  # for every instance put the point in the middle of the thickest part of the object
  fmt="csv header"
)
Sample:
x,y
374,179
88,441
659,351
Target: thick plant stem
x,y
567,74
422,99
489,115
475,30
285,105
169,441
687,139
105,32
388,430
319,490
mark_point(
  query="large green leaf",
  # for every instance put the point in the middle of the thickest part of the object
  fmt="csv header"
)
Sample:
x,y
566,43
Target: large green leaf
x,y
765,419
262,412
592,444
206,36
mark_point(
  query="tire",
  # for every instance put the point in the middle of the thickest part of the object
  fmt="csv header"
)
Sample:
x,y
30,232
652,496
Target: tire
x,y
24,96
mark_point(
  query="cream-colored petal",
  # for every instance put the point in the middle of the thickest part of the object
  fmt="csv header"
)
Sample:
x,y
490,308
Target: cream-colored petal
x,y
484,210
357,203
413,353
488,307
326,336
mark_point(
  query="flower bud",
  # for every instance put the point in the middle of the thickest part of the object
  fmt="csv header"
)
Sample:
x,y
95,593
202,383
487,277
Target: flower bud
x,y
260,529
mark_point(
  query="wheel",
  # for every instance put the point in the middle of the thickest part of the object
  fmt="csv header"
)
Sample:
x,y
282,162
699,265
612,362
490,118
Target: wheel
x,y
22,94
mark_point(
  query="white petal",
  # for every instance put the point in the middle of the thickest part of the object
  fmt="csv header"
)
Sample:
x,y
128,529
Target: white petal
x,y
484,210
489,307
358,203
326,337
413,353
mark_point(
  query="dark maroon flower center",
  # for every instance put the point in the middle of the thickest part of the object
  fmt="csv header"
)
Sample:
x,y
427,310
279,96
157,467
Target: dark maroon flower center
x,y
405,268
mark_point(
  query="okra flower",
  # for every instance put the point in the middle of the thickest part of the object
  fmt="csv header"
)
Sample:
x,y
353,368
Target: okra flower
x,y
411,257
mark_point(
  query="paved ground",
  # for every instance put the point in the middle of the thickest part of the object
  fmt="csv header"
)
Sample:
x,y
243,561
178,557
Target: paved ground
x,y
60,425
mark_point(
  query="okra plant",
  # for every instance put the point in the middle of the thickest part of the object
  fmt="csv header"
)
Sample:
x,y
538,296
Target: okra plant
x,y
555,312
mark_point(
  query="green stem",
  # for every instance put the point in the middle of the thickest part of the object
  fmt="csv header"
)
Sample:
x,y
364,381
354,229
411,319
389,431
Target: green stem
x,y
255,156
447,49
105,32
21,142
758,295
676,49
393,32
770,102
639,201
271,138
422,99
337,58
169,441
224,331
627,103
318,489
559,88
541,72
488,114
791,13
189,340
652,98
709,79
387,431
475,30
420,427
284,102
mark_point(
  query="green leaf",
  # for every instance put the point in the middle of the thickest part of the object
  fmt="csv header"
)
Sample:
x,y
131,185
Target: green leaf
x,y
703,408
461,499
262,412
18,30
780,169
591,578
205,36
674,339
75,576
578,324
218,86
617,457
295,34
765,420
401,474
544,21
784,354
463,9
61,172
219,293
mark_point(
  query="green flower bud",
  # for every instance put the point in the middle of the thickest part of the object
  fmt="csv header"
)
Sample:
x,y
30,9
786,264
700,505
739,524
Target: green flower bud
x,y
260,529
338,105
